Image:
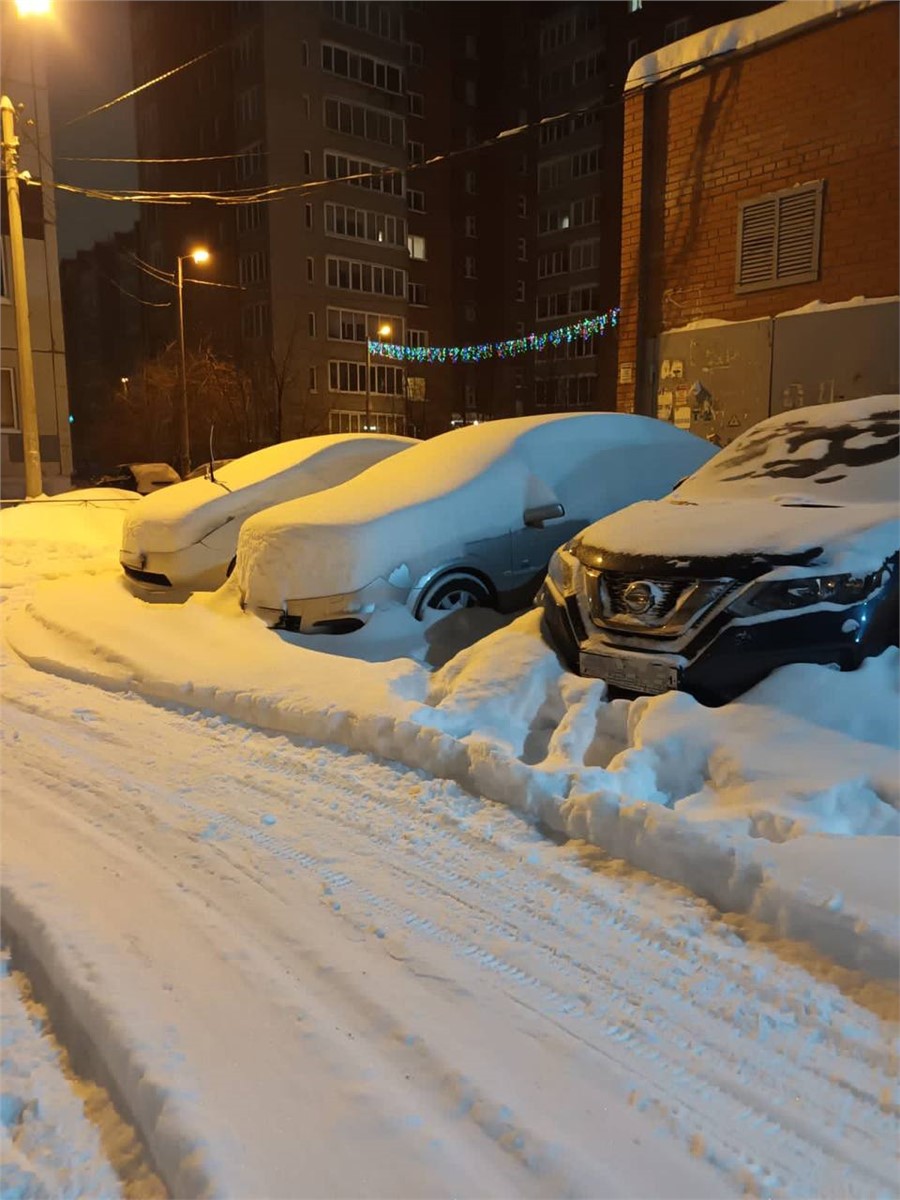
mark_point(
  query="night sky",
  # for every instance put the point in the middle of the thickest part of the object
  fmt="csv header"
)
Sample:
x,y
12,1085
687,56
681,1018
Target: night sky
x,y
89,62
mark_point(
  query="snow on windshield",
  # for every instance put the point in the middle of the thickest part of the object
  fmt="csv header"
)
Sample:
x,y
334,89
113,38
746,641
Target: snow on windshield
x,y
832,454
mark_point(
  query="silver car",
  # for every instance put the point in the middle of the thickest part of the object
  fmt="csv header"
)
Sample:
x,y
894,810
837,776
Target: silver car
x,y
468,518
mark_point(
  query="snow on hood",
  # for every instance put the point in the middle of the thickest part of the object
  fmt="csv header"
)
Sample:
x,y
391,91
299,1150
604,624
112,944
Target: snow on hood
x,y
470,484
181,515
818,477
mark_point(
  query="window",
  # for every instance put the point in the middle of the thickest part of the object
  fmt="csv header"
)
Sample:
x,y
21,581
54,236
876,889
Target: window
x,y
552,219
586,163
415,200
470,395
254,320
360,120
676,30
471,138
583,255
311,270
584,299
375,72
346,421
471,226
470,92
312,380
311,324
346,376
308,209
414,54
554,262
363,225
349,325
635,5
9,409
778,238
371,278
587,68
381,19
252,268
522,205
471,45
304,54
554,305
307,163
307,107
520,291
416,246
471,183
375,177
415,152
554,131
417,293
417,338
634,50
249,161
587,211
550,175
246,106
469,267
416,103
470,312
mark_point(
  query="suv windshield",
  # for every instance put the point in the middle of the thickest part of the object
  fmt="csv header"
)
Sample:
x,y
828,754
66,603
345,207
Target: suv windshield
x,y
818,456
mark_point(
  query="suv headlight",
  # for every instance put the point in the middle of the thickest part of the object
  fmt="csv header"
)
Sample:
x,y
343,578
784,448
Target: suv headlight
x,y
788,594
564,568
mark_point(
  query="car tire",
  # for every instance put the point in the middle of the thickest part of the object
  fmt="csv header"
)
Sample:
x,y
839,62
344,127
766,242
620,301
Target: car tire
x,y
453,592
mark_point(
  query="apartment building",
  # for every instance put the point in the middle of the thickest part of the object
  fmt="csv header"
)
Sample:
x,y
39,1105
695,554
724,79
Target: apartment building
x,y
25,82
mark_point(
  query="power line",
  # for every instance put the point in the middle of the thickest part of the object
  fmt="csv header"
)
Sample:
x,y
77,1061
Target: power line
x,y
200,158
125,292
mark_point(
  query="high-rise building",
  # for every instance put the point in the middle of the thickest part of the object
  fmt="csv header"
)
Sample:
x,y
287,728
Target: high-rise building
x,y
369,191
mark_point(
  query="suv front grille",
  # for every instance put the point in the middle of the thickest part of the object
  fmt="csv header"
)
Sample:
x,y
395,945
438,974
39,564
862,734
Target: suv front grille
x,y
671,604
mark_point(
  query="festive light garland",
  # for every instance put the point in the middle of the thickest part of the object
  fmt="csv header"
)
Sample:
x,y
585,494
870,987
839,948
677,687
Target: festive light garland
x,y
511,348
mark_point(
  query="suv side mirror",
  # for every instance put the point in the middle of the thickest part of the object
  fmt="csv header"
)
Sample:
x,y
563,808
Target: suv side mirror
x,y
536,518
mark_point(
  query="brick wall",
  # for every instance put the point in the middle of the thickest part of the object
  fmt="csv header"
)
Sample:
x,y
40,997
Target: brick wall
x,y
822,104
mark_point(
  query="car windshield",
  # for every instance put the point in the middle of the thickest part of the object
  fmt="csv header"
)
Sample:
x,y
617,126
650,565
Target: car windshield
x,y
830,455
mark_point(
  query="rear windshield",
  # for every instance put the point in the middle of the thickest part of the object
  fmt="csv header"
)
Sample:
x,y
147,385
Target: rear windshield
x,y
811,455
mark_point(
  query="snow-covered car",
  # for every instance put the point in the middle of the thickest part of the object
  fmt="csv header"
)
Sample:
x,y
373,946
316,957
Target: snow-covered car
x,y
143,478
185,537
781,549
468,518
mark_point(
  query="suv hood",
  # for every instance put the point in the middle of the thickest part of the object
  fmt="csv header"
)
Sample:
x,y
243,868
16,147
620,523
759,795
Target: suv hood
x,y
742,538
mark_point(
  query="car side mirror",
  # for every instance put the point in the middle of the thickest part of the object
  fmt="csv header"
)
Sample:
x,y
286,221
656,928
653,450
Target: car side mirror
x,y
537,517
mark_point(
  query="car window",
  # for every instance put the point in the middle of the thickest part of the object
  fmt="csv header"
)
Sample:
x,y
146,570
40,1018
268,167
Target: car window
x,y
813,453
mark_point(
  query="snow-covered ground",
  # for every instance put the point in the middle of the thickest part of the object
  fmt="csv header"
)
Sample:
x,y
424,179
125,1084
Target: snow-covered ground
x,y
308,972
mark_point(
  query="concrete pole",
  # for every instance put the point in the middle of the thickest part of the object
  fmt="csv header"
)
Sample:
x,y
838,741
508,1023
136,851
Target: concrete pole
x,y
27,399
368,378
185,449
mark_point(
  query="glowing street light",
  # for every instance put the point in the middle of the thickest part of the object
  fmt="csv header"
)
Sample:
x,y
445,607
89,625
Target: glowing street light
x,y
33,8
384,331
198,255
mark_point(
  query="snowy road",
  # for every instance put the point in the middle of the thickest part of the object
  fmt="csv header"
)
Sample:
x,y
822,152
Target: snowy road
x,y
317,974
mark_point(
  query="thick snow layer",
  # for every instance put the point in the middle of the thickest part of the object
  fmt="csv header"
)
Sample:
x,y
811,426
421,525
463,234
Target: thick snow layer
x,y
787,486
181,515
461,488
280,950
814,306
745,33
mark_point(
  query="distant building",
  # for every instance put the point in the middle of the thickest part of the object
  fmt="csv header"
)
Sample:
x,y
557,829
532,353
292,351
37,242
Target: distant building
x,y
761,178
24,75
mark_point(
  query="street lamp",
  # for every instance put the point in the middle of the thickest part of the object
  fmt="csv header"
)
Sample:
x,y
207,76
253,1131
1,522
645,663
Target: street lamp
x,y
199,256
31,442
384,331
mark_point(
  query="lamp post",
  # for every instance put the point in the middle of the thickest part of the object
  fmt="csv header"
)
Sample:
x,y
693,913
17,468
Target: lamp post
x,y
31,443
199,256
384,331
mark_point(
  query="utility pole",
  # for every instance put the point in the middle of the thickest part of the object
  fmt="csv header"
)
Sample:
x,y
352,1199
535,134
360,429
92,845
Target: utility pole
x,y
184,463
27,399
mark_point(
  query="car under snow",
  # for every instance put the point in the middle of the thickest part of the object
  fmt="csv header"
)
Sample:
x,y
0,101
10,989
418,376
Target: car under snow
x,y
468,518
783,548
185,537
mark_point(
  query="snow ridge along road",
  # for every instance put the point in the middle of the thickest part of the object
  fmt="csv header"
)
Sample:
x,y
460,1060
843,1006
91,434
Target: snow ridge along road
x,y
316,974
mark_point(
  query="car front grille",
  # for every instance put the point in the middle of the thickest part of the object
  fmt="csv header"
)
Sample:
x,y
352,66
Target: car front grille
x,y
147,576
674,603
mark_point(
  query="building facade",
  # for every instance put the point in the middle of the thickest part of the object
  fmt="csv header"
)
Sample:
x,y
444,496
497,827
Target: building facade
x,y
763,184
25,82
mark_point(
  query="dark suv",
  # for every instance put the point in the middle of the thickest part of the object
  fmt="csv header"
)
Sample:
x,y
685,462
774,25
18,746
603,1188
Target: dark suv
x,y
782,548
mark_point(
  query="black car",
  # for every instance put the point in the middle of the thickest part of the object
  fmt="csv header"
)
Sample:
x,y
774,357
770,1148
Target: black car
x,y
783,548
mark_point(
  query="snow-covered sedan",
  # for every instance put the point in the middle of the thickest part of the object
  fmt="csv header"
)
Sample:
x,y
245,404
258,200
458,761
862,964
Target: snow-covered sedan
x,y
468,518
781,549
185,537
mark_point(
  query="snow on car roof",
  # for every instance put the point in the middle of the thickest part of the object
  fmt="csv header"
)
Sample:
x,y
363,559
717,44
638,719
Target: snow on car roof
x,y
180,515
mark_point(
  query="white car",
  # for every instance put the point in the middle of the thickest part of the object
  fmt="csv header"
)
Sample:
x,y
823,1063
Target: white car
x,y
468,518
185,536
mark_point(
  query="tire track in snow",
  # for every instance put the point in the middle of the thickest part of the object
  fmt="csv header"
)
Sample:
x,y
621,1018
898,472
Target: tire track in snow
x,y
548,913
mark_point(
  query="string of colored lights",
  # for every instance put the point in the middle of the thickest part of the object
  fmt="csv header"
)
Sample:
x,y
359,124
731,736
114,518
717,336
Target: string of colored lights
x,y
511,348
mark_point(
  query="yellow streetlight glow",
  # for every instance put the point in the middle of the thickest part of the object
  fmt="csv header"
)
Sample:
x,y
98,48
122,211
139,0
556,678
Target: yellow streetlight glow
x,y
384,331
200,255
33,8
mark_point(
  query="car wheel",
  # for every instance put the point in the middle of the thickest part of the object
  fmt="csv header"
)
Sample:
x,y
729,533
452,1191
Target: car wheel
x,y
451,593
